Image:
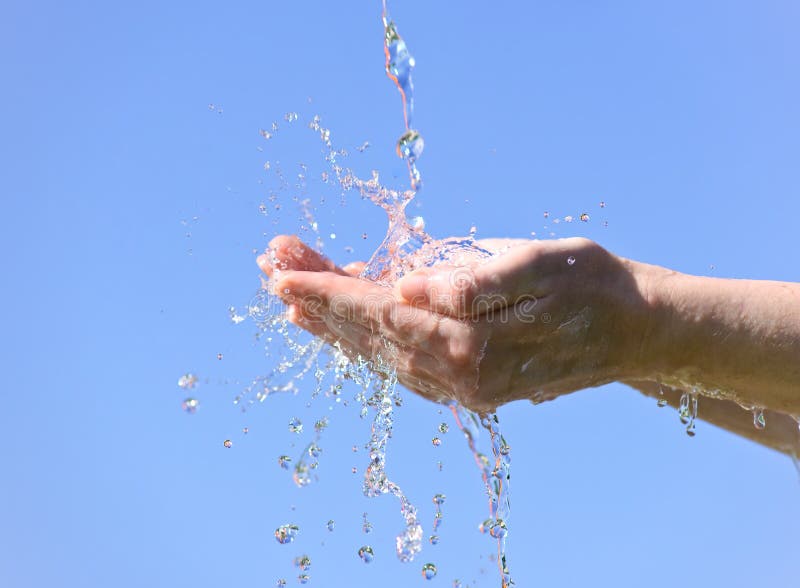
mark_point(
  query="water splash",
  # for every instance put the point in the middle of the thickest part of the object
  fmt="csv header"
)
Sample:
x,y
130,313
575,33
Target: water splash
x,y
496,477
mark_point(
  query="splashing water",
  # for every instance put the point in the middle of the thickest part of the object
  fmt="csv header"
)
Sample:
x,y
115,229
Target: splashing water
x,y
406,247
496,477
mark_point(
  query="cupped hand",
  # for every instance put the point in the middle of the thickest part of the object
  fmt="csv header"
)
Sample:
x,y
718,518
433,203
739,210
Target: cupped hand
x,y
538,320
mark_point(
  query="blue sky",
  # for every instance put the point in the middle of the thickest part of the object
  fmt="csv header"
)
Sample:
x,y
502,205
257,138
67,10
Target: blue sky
x,y
681,116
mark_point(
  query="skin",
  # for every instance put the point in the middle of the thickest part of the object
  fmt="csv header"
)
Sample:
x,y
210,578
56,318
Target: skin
x,y
546,318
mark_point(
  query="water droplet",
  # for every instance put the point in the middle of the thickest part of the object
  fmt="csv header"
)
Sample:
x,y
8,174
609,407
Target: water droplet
x,y
190,405
303,562
290,116
187,381
570,260
546,214
457,584
295,425
602,204
410,145
355,448
428,571
286,533
219,356
333,235
498,530
436,441
584,217
443,428
434,539
354,469
314,450
280,583
321,424
303,578
264,133
662,402
363,235
330,525
284,461
228,443
438,499
759,422
366,554
245,430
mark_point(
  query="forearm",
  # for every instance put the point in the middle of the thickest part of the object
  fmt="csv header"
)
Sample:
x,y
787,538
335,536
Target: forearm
x,y
739,339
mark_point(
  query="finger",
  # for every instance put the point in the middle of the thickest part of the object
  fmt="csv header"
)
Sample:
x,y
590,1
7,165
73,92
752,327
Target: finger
x,y
417,370
523,271
288,253
352,300
355,268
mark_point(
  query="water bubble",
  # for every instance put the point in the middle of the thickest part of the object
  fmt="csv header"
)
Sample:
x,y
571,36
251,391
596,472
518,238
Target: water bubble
x,y
759,422
354,469
363,235
187,381
584,217
245,430
314,450
570,260
330,525
219,356
290,116
333,235
280,583
228,443
303,578
190,405
568,218
436,441
546,214
264,133
286,533
457,584
295,425
443,428
486,526
438,499
428,571
366,554
434,539
355,448
602,204
321,424
284,461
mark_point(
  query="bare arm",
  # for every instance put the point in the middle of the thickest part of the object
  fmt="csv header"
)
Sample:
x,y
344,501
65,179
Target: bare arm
x,y
547,318
739,339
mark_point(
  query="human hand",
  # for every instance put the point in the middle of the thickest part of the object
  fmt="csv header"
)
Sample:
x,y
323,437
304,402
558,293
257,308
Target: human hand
x,y
541,319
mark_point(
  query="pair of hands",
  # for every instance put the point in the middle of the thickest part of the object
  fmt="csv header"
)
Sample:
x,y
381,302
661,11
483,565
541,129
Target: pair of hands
x,y
538,320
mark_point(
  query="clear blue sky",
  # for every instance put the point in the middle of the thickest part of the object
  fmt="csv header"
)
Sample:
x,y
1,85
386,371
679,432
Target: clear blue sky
x,y
682,116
